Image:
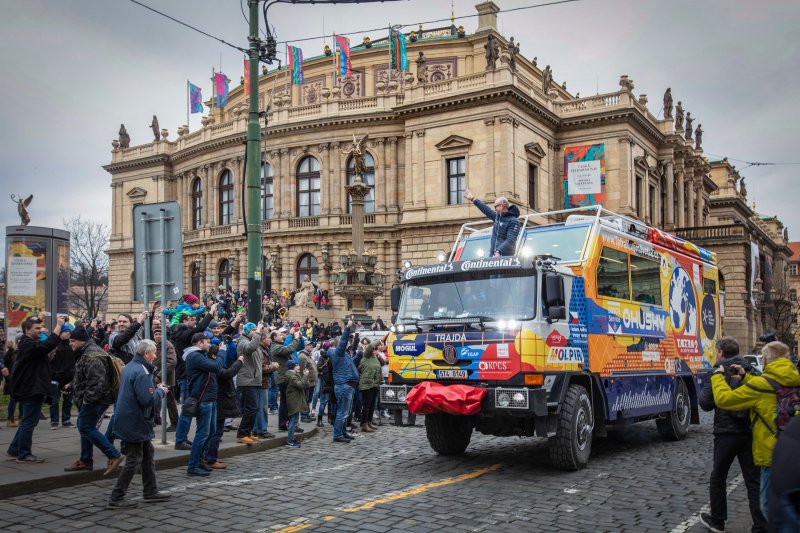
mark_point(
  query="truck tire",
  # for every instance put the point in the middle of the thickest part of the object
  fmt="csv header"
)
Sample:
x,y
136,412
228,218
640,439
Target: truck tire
x,y
675,426
570,447
448,434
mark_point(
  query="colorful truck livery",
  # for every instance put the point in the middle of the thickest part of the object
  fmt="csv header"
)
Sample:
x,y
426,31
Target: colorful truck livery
x,y
598,319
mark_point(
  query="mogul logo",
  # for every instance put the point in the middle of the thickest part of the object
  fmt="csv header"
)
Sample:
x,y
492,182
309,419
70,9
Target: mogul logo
x,y
560,355
405,347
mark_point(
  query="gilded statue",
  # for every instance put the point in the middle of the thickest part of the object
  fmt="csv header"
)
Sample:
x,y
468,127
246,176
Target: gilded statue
x,y
357,151
22,208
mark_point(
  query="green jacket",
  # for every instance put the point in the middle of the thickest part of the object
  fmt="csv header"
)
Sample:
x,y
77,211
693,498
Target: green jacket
x,y
296,393
280,354
250,373
369,369
746,396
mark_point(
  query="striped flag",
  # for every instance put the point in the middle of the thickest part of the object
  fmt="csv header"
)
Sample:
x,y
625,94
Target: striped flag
x,y
397,42
221,85
343,65
296,64
195,98
246,76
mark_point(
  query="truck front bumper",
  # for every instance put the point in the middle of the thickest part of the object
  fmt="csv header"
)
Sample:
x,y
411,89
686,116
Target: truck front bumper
x,y
520,401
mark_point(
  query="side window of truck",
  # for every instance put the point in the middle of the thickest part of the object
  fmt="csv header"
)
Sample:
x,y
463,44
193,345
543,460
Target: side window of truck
x,y
612,274
646,280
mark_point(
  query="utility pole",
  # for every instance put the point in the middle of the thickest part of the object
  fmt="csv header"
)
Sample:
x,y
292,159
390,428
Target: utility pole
x,y
254,215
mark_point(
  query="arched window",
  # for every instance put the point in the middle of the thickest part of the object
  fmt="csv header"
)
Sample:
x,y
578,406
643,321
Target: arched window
x,y
195,278
226,197
308,187
307,266
266,191
225,275
369,180
197,203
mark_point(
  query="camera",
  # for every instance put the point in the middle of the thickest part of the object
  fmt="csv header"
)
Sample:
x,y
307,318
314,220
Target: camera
x,y
768,337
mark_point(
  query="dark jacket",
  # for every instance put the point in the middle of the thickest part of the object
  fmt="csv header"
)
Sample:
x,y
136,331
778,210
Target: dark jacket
x,y
325,373
62,366
138,400
123,344
8,362
727,422
227,406
91,383
344,370
172,361
181,337
506,228
785,476
296,393
31,371
306,362
266,367
280,354
201,371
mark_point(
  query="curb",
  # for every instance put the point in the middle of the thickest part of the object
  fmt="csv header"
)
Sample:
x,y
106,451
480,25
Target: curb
x,y
71,479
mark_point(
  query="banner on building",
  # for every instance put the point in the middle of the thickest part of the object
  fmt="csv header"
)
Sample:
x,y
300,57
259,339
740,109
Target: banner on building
x,y
195,98
397,42
343,65
246,76
221,85
295,63
584,175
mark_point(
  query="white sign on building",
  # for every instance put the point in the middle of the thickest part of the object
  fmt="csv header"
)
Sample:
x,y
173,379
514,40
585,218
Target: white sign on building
x,y
584,177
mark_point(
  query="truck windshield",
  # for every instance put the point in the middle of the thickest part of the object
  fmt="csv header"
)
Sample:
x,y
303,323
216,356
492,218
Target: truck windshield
x,y
564,242
508,296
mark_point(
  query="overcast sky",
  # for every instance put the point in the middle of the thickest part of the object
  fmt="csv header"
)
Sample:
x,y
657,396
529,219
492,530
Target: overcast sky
x,y
75,69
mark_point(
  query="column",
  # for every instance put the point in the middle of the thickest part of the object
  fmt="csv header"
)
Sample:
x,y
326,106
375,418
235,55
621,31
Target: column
x,y
555,192
278,187
277,177
669,209
211,271
700,203
408,178
287,185
325,179
338,194
208,191
491,184
238,178
393,200
420,190
691,200
381,192
506,170
681,205
241,268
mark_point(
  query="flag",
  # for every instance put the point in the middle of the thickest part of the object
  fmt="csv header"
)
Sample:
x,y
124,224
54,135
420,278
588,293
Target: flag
x,y
195,98
296,64
343,64
246,76
221,84
397,41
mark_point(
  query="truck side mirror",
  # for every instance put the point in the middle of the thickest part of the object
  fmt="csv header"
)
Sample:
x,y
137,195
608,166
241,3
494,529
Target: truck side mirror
x,y
554,300
395,298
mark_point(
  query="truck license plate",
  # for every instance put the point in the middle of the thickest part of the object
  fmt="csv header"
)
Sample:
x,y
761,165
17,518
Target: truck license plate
x,y
453,374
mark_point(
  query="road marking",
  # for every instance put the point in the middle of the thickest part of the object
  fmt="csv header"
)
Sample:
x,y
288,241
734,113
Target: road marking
x,y
695,518
421,489
389,497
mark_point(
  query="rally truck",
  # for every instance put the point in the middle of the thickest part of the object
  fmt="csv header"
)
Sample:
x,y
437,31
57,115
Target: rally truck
x,y
597,319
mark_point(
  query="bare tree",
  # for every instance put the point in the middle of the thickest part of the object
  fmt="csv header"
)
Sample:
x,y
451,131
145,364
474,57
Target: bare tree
x,y
89,263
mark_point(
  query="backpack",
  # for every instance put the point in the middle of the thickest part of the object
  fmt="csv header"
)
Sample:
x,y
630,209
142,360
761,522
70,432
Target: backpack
x,y
115,366
787,404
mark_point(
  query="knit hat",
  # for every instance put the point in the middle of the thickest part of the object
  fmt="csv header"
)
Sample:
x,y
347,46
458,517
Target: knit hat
x,y
326,345
79,334
191,299
290,365
248,328
197,337
156,329
213,324
67,327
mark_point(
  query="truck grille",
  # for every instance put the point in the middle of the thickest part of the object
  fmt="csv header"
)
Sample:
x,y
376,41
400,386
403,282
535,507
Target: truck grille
x,y
511,398
393,393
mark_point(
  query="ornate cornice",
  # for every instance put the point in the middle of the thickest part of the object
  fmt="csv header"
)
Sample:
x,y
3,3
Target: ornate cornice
x,y
133,163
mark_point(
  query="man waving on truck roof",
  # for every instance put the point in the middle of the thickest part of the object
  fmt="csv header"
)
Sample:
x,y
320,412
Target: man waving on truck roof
x,y
506,224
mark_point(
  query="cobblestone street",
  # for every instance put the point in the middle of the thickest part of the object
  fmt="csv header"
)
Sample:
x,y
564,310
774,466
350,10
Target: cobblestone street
x,y
393,481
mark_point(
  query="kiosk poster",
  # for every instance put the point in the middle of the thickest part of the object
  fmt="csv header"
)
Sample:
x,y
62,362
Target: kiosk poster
x,y
584,175
27,271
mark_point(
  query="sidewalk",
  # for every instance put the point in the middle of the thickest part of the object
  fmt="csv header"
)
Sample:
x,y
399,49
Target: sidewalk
x,y
61,447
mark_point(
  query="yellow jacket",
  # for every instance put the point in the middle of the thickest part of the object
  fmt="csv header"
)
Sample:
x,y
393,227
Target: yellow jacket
x,y
781,370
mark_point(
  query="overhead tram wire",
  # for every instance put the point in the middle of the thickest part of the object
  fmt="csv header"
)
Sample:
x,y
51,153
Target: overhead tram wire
x,y
424,21
223,41
752,163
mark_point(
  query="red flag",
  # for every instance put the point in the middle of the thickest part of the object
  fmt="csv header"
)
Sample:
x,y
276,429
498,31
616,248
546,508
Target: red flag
x,y
246,76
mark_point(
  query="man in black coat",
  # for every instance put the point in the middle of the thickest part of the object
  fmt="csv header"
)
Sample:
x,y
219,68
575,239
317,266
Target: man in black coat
x,y
32,382
506,224
62,368
732,439
181,337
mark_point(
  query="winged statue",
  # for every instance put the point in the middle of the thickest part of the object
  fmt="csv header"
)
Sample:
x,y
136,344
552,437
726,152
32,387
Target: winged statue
x,y
359,168
22,208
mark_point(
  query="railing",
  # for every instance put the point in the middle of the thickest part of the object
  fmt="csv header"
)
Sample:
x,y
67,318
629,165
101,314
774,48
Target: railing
x,y
592,102
220,129
346,220
304,222
438,88
728,231
358,103
472,80
266,225
401,98
221,230
190,235
139,151
305,111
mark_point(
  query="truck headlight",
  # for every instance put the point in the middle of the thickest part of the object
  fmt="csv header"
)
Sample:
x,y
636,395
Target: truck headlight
x,y
390,394
519,397
503,400
401,396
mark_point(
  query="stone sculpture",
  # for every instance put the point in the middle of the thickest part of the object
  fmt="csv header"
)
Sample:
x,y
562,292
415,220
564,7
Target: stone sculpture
x,y
22,208
678,116
124,138
547,79
492,52
513,50
689,121
698,136
156,129
422,68
668,104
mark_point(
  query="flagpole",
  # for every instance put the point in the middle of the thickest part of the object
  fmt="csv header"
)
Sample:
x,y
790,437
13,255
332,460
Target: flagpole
x,y
289,66
213,91
333,55
389,65
188,103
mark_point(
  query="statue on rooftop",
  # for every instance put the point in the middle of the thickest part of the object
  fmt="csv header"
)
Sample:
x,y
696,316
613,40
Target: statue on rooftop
x,y
547,79
492,52
22,208
124,138
156,129
678,116
689,121
668,104
422,68
698,136
513,50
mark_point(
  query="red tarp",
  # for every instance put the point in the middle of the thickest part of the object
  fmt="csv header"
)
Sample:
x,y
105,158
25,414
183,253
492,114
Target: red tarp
x,y
430,397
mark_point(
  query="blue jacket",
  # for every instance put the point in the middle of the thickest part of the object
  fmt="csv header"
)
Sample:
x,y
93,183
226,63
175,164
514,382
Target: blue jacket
x,y
505,231
137,402
199,369
344,369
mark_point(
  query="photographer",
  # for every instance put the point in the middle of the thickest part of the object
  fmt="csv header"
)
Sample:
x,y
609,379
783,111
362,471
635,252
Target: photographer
x,y
732,439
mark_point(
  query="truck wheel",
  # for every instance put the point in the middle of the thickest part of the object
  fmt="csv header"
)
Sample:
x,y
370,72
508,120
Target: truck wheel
x,y
572,443
448,434
675,426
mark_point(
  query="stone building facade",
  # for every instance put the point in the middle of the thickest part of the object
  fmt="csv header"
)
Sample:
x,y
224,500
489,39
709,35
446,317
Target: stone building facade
x,y
467,115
